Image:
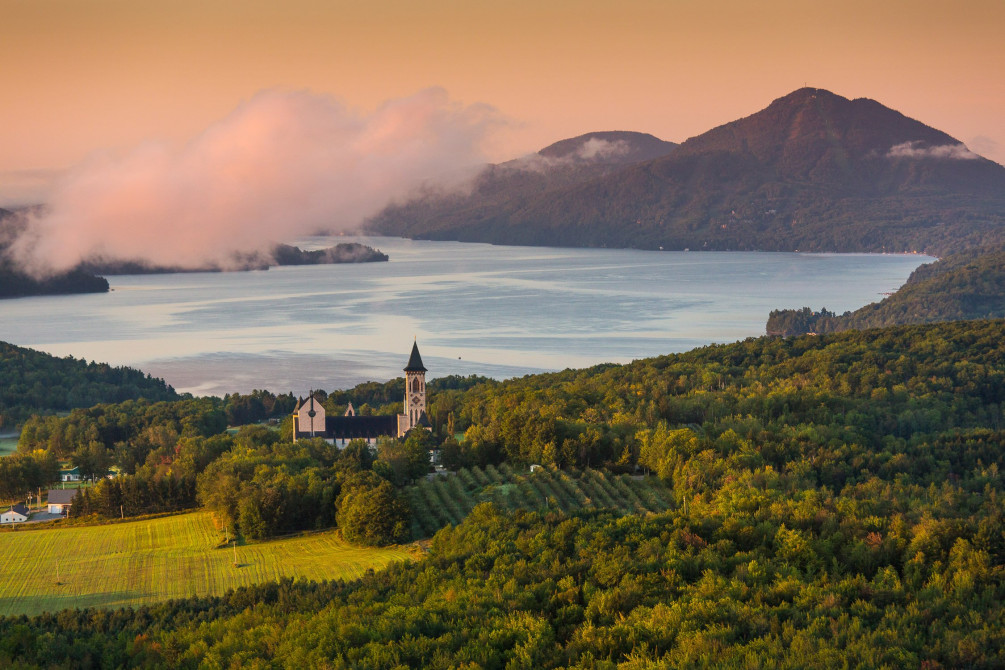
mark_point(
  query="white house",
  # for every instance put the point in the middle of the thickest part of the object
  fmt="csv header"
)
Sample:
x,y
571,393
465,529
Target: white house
x,y
71,475
60,500
16,514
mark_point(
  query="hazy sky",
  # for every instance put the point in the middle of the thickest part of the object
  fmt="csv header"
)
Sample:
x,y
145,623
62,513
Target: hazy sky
x,y
80,76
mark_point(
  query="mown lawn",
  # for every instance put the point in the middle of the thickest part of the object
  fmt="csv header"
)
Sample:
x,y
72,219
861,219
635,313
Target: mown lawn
x,y
157,559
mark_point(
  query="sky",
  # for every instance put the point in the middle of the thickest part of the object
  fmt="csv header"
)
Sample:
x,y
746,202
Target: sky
x,y
108,83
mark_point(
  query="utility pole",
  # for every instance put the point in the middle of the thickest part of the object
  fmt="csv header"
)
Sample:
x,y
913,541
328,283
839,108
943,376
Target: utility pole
x,y
235,552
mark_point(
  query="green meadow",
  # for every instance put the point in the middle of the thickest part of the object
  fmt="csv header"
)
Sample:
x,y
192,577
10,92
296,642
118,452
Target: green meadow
x,y
8,445
140,562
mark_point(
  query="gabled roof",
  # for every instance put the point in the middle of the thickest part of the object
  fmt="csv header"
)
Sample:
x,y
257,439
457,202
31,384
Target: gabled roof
x,y
20,508
366,427
62,496
424,420
415,360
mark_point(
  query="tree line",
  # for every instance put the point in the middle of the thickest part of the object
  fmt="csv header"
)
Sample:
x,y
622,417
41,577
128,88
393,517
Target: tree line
x,y
962,286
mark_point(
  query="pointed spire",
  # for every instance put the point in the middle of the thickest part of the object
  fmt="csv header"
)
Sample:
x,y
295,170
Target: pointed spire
x,y
415,360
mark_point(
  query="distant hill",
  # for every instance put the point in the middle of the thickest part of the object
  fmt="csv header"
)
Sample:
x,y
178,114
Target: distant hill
x,y
513,185
959,287
281,254
15,283
39,383
813,171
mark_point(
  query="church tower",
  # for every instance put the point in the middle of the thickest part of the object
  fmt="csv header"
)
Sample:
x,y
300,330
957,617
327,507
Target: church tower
x,y
415,393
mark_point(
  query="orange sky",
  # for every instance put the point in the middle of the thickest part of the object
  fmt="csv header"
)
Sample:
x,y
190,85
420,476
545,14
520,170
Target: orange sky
x,y
83,75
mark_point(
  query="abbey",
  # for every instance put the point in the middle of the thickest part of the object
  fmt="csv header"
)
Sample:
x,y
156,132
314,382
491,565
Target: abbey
x,y
310,419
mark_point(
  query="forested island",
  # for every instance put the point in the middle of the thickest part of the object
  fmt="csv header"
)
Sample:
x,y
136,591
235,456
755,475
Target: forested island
x,y
278,255
831,499
17,284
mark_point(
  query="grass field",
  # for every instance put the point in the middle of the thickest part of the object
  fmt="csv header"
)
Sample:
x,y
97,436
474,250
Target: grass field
x,y
158,559
8,445
447,500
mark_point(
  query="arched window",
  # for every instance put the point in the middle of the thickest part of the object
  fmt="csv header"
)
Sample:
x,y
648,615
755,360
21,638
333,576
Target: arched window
x,y
415,384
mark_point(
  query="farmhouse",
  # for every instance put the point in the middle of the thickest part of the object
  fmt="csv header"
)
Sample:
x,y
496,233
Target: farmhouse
x,y
60,500
71,475
310,420
16,514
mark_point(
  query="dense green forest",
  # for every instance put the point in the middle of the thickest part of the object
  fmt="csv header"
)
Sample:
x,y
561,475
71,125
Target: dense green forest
x,y
962,286
830,501
37,383
761,569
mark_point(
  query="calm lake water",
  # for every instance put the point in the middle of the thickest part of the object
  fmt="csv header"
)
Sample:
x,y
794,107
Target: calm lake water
x,y
475,308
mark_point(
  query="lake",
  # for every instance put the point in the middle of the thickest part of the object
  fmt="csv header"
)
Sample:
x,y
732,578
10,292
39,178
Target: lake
x,y
474,309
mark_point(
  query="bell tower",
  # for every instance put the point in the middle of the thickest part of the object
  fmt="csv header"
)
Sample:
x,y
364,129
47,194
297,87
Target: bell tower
x,y
415,391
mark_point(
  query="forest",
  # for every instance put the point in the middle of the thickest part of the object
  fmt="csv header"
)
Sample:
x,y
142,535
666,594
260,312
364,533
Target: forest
x,y
37,383
827,501
969,285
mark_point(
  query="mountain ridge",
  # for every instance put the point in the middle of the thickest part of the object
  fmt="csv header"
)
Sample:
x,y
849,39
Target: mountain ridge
x,y
813,171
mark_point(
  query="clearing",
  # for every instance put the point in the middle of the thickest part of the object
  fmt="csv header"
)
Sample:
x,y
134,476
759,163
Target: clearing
x,y
140,562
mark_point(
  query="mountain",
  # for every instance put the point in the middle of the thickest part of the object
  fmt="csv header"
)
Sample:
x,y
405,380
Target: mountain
x,y
518,183
814,171
955,288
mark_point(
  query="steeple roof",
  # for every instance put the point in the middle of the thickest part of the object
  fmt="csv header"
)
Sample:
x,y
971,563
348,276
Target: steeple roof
x,y
415,360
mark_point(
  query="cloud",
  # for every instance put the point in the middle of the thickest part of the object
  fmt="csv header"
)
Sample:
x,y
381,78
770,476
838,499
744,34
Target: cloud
x,y
284,164
916,149
595,147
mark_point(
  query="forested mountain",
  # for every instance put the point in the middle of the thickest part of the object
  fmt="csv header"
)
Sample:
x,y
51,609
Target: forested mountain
x,y
968,285
833,501
519,183
813,171
35,383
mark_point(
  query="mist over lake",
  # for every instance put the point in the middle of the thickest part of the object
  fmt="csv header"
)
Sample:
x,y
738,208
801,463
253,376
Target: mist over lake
x,y
474,308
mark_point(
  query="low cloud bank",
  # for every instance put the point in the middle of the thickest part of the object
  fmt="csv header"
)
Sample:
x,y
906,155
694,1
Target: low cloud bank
x,y
917,150
280,165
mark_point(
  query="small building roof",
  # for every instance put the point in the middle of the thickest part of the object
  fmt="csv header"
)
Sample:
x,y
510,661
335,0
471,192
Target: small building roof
x,y
415,360
20,508
62,496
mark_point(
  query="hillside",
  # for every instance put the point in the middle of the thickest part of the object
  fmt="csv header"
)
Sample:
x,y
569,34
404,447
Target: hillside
x,y
813,171
154,560
959,287
519,183
831,501
448,500
38,383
